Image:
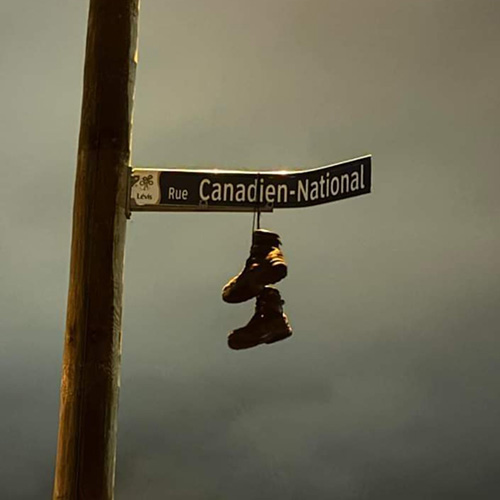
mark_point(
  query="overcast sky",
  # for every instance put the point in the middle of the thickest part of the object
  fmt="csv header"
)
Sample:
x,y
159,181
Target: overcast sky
x,y
389,387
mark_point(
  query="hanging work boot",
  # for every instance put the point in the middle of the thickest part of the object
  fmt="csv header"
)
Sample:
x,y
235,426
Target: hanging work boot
x,y
265,266
268,325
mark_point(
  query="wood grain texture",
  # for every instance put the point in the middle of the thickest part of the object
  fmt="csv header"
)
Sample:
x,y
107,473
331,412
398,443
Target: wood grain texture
x,y
85,465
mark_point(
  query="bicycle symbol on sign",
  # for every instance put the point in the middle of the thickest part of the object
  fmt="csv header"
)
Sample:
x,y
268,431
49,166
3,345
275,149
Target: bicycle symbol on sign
x,y
146,182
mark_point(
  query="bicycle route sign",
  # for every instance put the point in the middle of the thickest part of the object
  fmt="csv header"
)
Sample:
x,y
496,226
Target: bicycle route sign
x,y
233,191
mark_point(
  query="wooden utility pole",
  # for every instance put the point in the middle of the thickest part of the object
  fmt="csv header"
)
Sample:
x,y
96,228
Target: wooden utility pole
x,y
86,450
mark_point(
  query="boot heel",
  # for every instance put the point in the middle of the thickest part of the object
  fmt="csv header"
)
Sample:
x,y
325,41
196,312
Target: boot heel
x,y
277,272
280,336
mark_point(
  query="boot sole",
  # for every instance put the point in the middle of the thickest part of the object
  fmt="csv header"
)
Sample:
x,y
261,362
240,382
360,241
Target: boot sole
x,y
265,339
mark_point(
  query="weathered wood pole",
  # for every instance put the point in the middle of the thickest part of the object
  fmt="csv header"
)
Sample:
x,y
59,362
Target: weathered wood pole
x,y
86,450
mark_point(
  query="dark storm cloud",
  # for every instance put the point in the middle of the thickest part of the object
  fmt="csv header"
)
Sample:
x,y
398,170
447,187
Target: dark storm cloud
x,y
41,68
395,415
388,388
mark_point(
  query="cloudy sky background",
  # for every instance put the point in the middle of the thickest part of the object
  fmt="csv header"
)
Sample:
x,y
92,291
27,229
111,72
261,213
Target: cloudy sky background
x,y
389,387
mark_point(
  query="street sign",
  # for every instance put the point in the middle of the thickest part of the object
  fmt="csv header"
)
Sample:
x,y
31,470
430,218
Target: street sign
x,y
234,191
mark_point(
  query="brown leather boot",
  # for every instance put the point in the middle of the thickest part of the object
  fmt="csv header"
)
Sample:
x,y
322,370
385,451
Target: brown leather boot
x,y
269,324
265,266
